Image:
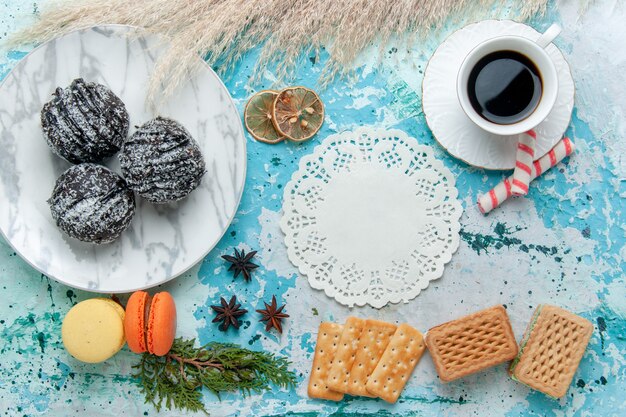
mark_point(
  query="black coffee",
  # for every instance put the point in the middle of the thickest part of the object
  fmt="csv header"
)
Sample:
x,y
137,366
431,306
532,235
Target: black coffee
x,y
504,87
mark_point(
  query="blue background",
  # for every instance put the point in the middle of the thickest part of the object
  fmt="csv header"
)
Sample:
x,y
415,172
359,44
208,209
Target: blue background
x,y
564,244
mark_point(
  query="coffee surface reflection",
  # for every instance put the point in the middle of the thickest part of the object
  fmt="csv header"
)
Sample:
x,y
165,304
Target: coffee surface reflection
x,y
504,87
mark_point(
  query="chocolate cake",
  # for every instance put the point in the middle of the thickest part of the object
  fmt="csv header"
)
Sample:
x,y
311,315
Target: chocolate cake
x,y
92,203
85,122
161,161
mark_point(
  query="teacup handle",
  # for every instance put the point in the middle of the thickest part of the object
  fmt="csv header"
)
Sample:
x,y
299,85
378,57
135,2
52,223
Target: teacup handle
x,y
549,35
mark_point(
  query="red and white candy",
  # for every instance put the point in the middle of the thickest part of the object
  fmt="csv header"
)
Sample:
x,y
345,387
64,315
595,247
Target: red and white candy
x,y
501,192
523,163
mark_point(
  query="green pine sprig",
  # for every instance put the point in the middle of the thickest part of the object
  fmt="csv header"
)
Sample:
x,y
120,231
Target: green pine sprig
x,y
176,379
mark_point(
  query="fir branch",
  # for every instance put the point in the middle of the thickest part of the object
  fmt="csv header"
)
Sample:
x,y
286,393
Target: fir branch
x,y
176,379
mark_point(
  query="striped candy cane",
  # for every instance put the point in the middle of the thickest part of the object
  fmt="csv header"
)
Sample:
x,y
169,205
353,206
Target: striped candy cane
x,y
501,192
525,156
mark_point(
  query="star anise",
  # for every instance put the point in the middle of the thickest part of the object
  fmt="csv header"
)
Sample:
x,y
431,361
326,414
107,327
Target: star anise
x,y
228,313
273,315
240,263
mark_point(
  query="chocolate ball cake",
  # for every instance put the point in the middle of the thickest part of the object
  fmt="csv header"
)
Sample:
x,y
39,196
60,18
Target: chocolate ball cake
x,y
92,203
161,161
84,122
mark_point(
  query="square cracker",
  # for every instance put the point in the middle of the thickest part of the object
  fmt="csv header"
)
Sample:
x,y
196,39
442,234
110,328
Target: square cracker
x,y
551,350
372,343
345,355
327,341
397,363
472,343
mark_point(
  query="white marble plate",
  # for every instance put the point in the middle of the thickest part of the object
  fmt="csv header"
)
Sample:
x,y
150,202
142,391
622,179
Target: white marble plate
x,y
162,241
451,126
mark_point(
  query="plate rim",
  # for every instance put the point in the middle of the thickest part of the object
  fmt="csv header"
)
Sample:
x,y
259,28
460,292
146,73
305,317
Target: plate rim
x,y
242,184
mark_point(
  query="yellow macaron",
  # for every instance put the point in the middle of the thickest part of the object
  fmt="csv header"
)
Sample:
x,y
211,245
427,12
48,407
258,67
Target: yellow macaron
x,y
93,330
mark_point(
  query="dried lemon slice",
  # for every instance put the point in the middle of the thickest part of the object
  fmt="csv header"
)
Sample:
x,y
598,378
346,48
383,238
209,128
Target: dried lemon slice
x,y
298,113
258,117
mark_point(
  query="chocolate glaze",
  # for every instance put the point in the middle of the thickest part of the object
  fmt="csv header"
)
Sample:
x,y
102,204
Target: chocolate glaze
x,y
84,122
161,161
92,203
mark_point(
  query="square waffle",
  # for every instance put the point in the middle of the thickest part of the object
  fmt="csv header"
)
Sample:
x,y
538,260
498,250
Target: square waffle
x,y
551,350
472,343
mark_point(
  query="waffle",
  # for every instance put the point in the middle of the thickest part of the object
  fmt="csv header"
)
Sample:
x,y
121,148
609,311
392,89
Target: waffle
x,y
551,350
472,343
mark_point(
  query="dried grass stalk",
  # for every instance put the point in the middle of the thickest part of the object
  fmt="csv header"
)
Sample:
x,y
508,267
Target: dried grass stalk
x,y
222,31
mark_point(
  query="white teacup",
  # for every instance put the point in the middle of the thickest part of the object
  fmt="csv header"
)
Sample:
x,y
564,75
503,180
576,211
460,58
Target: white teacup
x,y
533,50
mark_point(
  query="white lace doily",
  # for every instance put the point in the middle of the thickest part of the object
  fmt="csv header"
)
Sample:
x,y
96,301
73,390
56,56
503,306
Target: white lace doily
x,y
371,217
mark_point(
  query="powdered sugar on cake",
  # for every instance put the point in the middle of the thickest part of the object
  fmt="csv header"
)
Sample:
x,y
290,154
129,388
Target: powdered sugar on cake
x,y
92,203
161,161
85,122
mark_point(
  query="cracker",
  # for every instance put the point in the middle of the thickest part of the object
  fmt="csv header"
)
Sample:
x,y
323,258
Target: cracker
x,y
472,343
551,350
327,341
397,363
372,343
339,373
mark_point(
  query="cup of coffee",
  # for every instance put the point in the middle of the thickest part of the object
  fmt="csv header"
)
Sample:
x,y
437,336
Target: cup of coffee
x,y
507,85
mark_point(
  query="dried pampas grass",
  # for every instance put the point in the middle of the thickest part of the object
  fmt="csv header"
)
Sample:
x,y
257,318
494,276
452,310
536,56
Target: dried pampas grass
x,y
222,31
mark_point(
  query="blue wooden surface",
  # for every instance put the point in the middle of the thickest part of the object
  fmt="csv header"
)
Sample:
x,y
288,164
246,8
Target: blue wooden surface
x,y
565,244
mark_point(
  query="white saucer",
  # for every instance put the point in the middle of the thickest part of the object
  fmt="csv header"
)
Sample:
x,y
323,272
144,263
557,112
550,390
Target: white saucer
x,y
163,241
450,125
